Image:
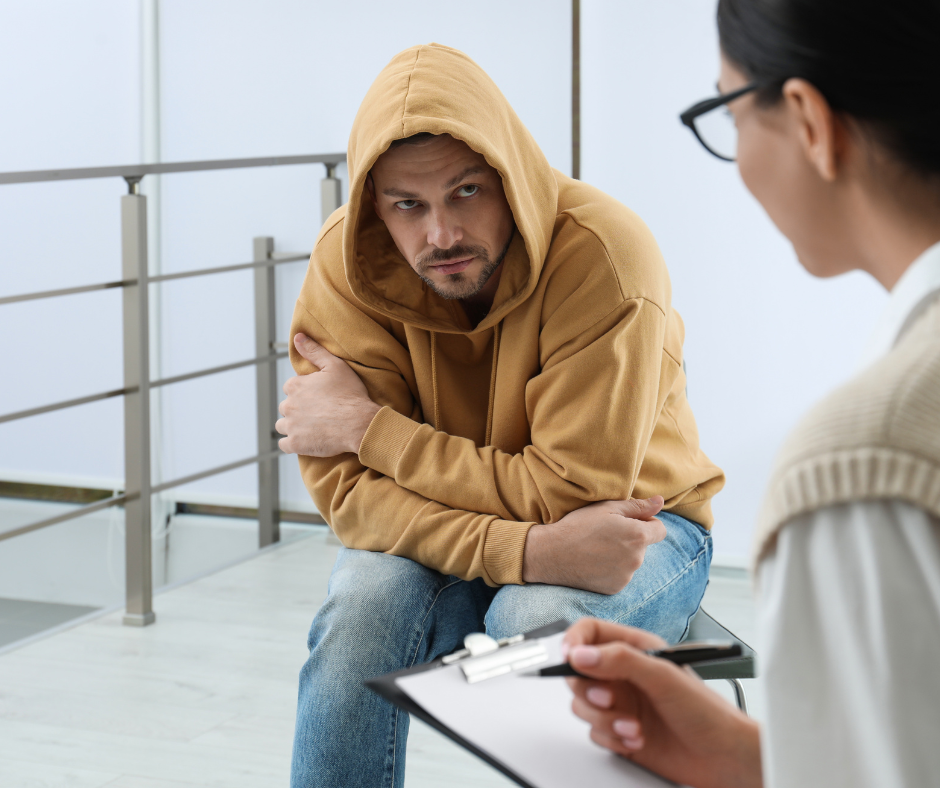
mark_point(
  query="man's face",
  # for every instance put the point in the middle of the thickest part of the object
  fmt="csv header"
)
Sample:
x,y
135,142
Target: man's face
x,y
446,211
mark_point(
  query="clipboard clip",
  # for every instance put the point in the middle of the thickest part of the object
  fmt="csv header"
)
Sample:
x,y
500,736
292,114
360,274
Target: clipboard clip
x,y
483,658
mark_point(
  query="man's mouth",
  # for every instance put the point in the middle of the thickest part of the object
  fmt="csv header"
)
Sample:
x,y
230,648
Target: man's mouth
x,y
452,267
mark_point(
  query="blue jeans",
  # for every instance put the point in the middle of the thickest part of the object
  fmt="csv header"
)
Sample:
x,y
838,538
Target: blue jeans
x,y
384,613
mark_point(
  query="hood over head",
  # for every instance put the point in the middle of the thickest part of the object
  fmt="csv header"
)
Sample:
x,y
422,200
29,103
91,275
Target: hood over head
x,y
436,89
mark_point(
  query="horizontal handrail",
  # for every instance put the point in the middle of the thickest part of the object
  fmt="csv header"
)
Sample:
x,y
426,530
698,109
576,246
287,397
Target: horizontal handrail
x,y
68,403
151,280
136,330
114,500
67,291
139,170
216,370
228,268
61,518
195,477
71,403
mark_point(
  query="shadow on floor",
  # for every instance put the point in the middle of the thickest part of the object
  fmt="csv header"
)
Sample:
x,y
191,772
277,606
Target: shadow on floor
x,y
22,618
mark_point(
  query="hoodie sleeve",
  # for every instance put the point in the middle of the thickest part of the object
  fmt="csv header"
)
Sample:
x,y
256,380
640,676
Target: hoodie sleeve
x,y
368,511
484,500
593,409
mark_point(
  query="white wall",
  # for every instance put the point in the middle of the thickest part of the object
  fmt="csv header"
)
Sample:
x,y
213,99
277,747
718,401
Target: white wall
x,y
763,339
242,78
68,78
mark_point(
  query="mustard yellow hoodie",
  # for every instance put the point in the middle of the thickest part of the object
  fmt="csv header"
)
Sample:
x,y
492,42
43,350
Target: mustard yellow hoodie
x,y
570,391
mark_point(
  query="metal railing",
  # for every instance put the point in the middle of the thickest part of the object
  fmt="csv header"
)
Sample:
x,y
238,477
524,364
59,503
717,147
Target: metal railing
x,y
135,281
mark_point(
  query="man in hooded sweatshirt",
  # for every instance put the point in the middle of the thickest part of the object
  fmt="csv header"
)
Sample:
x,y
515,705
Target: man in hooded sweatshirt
x,y
498,430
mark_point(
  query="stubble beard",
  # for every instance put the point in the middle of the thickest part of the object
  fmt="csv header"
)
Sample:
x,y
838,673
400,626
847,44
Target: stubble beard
x,y
458,286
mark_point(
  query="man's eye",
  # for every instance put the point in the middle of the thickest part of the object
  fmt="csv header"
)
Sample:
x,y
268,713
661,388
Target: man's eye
x,y
467,191
406,205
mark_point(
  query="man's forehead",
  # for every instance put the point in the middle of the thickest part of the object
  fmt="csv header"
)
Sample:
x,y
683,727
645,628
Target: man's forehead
x,y
442,160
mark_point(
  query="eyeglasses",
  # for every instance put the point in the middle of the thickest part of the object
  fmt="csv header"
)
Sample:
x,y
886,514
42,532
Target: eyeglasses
x,y
716,130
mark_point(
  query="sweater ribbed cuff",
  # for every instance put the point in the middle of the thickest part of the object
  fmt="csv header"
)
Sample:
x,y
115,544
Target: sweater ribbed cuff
x,y
503,551
385,440
842,476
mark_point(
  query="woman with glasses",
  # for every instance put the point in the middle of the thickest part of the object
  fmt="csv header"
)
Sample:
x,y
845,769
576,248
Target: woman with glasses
x,y
831,110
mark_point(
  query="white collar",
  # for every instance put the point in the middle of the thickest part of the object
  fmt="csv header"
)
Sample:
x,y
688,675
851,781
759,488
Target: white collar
x,y
916,288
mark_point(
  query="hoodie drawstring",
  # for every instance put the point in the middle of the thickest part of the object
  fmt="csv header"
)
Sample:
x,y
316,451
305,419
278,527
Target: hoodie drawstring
x,y
437,407
492,398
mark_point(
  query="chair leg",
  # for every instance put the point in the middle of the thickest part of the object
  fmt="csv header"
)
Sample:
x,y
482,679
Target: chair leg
x,y
739,697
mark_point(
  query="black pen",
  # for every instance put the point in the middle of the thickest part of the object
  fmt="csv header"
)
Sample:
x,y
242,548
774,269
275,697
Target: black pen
x,y
691,653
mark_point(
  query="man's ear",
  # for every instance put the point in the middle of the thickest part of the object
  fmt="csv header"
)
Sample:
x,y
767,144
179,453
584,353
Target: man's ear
x,y
370,185
821,131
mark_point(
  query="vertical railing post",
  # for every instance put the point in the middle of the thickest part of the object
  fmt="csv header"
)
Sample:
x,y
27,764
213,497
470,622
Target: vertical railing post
x,y
138,567
331,194
576,89
269,505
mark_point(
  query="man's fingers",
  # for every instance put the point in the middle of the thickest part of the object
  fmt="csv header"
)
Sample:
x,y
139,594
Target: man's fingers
x,y
640,508
657,531
314,352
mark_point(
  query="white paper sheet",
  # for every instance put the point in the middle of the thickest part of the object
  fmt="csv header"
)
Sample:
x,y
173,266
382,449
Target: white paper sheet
x,y
527,724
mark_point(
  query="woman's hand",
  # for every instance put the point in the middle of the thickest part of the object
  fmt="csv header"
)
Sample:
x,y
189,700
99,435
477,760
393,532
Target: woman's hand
x,y
657,714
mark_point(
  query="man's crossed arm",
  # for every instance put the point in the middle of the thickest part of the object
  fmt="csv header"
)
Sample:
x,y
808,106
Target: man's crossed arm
x,y
597,547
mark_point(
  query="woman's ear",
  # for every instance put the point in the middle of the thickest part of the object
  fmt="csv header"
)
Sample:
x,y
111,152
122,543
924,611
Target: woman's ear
x,y
821,132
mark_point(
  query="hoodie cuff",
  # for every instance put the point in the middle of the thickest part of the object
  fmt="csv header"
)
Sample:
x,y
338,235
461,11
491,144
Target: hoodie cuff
x,y
385,441
503,550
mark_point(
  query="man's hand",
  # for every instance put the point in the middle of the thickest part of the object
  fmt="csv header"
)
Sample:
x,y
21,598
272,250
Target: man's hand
x,y
327,412
656,713
595,548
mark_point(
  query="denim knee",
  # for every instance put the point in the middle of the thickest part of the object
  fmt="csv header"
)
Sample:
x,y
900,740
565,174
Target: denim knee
x,y
662,596
517,609
373,609
669,586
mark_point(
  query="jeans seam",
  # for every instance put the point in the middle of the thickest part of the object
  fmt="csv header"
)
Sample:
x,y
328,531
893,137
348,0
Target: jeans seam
x,y
414,656
688,568
394,748
427,613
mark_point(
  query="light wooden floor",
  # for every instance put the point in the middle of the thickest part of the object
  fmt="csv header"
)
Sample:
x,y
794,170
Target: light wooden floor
x,y
205,697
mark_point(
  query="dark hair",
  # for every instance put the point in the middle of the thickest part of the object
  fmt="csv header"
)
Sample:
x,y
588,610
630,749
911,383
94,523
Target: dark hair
x,y
414,139
877,61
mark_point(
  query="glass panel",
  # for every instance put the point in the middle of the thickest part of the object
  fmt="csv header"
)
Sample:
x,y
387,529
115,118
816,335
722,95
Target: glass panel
x,y
66,571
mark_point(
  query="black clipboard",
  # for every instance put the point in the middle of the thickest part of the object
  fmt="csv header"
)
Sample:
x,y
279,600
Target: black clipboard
x,y
386,687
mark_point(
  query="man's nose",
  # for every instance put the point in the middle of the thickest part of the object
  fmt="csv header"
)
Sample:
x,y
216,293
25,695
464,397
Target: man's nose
x,y
443,232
